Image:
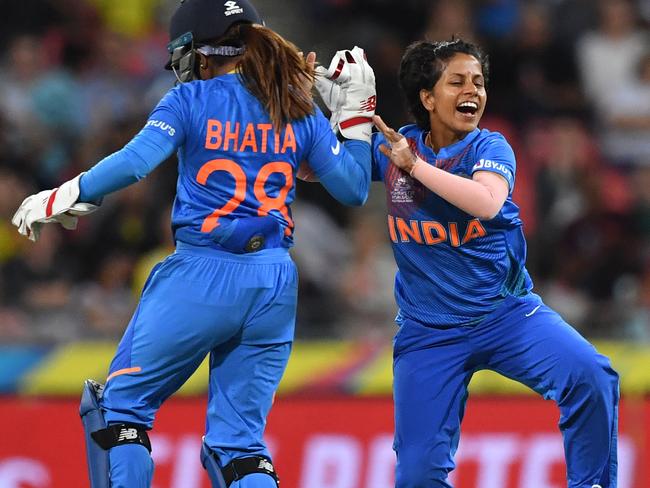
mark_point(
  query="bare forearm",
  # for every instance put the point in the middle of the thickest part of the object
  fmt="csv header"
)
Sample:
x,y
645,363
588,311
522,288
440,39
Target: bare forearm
x,y
471,196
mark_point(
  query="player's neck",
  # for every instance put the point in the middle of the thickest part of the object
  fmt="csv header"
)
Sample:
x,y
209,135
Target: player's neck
x,y
227,68
437,140
219,70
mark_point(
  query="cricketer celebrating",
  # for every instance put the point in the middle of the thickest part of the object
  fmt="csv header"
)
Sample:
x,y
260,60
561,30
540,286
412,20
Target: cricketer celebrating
x,y
229,289
464,295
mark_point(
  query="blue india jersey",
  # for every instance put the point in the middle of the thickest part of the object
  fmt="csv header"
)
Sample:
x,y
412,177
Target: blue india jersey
x,y
232,163
453,268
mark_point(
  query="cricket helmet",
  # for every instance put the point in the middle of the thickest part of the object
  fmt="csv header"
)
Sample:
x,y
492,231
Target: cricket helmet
x,y
196,21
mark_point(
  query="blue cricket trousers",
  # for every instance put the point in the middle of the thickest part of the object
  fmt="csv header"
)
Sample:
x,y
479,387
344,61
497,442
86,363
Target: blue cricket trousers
x,y
239,309
526,341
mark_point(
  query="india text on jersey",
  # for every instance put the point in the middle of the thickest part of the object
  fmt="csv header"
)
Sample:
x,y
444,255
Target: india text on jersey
x,y
430,232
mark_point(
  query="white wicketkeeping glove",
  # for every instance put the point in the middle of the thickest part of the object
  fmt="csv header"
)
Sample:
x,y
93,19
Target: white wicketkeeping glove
x,y
57,205
348,89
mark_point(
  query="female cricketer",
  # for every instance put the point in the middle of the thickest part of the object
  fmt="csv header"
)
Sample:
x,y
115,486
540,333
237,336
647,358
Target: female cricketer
x,y
242,120
464,295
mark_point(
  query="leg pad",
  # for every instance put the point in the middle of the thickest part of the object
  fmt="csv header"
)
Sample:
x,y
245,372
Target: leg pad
x,y
236,469
92,419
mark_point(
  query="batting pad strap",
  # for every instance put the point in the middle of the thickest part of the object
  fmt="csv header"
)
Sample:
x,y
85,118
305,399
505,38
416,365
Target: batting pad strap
x,y
240,467
119,434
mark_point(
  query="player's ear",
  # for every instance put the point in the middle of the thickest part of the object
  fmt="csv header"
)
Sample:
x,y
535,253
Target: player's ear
x,y
202,60
427,99
201,66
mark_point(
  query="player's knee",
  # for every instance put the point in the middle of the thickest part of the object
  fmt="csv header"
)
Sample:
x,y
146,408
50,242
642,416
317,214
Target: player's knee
x,y
255,480
131,466
417,468
432,478
594,376
605,380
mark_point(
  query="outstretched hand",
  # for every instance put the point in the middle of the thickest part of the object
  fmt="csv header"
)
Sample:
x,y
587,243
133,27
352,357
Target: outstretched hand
x,y
399,151
305,172
310,61
57,205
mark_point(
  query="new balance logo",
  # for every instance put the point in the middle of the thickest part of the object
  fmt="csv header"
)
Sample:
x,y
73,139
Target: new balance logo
x,y
264,464
369,105
127,435
232,8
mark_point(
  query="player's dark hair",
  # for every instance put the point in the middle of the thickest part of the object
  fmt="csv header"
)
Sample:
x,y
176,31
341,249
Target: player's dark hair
x,y
422,66
273,70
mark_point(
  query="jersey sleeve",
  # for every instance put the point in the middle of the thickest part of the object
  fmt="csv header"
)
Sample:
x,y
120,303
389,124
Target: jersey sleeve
x,y
379,161
343,169
169,117
159,138
496,156
324,150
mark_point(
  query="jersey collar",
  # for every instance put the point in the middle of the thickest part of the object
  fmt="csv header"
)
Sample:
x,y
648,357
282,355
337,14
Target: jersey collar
x,y
448,151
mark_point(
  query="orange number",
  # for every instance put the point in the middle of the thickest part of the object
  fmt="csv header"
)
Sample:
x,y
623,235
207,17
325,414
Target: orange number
x,y
212,220
267,203
274,203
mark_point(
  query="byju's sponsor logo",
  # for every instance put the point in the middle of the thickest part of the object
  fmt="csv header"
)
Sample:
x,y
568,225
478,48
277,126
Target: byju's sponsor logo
x,y
486,164
162,126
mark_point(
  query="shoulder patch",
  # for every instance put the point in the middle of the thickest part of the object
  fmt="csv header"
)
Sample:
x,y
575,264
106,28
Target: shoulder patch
x,y
488,165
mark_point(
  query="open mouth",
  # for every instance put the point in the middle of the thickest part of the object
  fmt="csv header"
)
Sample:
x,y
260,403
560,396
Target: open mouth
x,y
467,108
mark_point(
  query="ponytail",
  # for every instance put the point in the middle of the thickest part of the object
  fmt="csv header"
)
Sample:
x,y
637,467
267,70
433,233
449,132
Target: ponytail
x,y
275,72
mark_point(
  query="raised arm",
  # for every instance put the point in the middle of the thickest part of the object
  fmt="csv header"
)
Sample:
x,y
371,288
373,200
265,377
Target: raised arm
x,y
348,89
482,196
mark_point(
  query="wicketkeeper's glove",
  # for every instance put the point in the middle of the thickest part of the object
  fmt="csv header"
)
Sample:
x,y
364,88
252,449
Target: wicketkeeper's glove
x,y
348,90
57,205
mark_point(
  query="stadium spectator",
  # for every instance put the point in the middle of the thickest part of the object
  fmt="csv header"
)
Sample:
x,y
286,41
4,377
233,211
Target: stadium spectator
x,y
535,74
106,302
366,283
40,282
448,18
608,57
626,119
321,254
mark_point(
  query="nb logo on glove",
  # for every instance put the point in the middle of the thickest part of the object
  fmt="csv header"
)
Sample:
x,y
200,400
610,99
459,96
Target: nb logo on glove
x,y
369,105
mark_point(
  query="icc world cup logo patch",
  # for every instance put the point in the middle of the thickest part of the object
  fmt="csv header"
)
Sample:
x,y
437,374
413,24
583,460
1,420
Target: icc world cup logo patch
x,y
403,193
402,190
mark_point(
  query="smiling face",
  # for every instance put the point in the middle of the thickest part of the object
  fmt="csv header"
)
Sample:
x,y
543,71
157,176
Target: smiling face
x,y
457,100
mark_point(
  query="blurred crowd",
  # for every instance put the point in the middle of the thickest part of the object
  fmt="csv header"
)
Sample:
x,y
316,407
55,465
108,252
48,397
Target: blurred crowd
x,y
569,88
